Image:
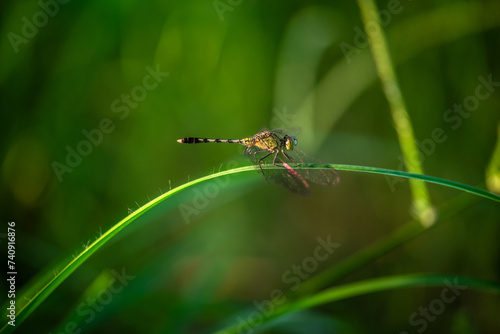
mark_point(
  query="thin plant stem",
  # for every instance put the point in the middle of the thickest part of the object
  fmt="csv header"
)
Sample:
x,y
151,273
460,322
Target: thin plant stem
x,y
422,206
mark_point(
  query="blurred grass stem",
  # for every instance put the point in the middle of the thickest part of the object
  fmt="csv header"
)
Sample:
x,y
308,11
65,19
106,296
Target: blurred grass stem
x,y
422,206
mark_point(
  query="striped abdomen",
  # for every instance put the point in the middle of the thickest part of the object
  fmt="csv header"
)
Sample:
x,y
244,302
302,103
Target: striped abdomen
x,y
194,140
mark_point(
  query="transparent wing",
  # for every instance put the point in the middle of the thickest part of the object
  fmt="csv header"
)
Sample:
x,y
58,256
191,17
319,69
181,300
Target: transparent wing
x,y
318,176
284,176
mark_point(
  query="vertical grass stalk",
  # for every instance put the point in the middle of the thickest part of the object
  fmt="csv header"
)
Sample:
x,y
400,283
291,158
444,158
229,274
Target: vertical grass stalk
x,y
422,207
493,170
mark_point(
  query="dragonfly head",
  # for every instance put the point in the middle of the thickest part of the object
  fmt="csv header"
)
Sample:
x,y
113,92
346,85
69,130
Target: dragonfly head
x,y
290,142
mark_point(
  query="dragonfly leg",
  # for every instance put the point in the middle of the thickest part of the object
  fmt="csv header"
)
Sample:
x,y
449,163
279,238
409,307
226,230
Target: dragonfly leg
x,y
254,154
288,157
276,157
249,152
260,164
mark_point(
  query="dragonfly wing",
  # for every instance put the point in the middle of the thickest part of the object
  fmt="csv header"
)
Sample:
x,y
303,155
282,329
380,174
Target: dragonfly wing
x,y
287,177
318,176
283,175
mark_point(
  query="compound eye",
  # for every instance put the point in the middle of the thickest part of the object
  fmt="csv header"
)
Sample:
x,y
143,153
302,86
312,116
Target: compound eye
x,y
287,143
290,143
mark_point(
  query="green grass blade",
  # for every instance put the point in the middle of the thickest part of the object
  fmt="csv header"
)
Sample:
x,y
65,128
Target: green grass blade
x,y
369,286
407,175
421,200
34,301
48,288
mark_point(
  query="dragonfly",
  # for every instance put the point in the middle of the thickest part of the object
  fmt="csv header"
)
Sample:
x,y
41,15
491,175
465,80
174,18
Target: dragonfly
x,y
279,146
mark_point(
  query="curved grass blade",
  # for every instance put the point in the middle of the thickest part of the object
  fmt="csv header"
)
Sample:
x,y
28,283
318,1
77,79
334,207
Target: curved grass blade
x,y
368,286
34,301
49,287
398,173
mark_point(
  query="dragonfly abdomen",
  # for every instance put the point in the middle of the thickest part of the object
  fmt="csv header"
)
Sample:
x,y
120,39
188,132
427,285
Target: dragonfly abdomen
x,y
194,140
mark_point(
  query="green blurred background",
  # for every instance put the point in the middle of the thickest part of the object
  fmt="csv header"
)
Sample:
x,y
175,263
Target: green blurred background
x,y
226,69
